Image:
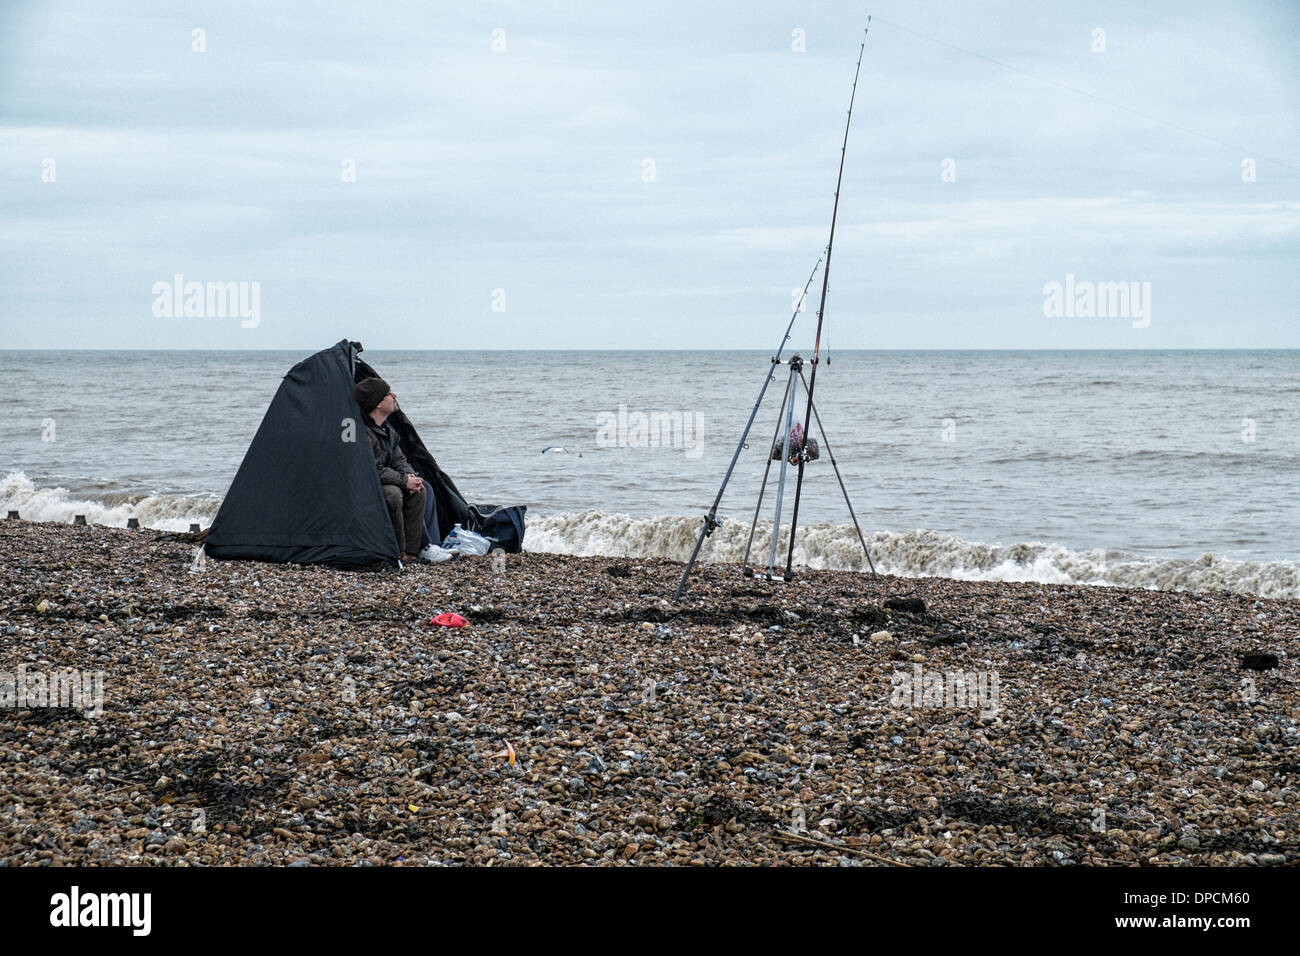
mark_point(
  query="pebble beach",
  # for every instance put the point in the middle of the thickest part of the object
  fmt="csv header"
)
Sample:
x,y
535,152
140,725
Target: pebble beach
x,y
257,714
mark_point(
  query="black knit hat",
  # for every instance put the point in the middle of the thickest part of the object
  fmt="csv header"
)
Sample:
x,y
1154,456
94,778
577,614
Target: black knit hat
x,y
370,392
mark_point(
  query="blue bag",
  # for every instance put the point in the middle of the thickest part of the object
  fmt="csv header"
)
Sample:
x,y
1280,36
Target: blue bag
x,y
504,526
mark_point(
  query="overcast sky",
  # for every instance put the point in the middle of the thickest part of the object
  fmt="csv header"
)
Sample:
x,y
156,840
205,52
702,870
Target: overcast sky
x,y
525,169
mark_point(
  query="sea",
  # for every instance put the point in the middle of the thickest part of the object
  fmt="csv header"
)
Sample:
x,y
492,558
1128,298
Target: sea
x,y
1150,469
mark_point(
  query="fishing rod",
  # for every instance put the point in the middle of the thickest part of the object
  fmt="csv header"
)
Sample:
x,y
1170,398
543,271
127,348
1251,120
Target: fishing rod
x,y
711,519
821,312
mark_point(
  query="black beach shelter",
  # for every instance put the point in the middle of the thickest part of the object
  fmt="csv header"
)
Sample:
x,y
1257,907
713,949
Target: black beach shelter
x,y
308,490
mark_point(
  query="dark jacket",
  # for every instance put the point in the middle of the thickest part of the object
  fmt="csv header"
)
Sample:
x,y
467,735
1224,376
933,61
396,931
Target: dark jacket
x,y
392,464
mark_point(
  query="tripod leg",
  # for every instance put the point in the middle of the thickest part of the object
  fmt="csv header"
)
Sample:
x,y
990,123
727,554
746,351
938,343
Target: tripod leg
x,y
780,484
831,455
699,542
798,493
767,470
710,519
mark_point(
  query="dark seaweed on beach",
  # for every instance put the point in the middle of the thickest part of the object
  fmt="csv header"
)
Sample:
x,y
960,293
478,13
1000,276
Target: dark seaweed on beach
x,y
721,810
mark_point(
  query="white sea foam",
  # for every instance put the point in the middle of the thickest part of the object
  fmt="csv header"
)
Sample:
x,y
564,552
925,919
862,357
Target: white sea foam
x,y
819,546
163,512
908,554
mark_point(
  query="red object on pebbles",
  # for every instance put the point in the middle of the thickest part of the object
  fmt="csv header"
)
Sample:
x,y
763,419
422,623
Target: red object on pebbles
x,y
448,620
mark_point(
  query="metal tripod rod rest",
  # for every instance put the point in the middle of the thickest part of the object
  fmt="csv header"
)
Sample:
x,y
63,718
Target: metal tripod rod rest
x,y
711,519
783,436
796,364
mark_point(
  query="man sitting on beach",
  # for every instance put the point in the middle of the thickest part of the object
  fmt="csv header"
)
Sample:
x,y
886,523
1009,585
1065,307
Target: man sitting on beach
x,y
403,489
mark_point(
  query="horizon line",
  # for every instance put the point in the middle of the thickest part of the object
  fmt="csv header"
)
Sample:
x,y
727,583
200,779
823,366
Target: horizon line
x,y
380,348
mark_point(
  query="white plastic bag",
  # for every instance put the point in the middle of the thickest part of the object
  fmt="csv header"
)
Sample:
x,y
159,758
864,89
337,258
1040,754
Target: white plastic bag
x,y
466,542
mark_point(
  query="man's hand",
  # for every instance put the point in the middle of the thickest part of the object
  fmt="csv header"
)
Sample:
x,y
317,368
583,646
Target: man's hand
x,y
414,483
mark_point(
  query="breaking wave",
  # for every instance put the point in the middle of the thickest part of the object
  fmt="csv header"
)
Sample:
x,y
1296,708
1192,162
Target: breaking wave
x,y
908,554
820,546
163,512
